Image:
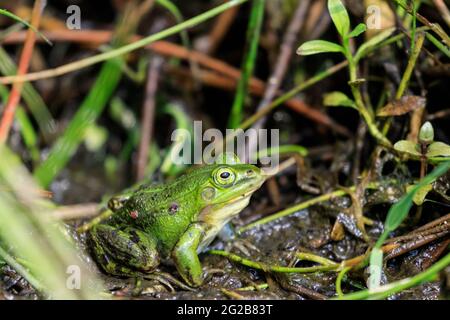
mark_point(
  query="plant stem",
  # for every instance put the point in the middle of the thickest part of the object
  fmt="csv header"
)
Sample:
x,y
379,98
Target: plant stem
x,y
291,93
367,115
248,65
269,268
20,269
315,258
433,26
410,67
339,278
389,289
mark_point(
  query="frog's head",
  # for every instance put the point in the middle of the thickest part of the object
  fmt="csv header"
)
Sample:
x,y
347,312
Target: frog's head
x,y
229,186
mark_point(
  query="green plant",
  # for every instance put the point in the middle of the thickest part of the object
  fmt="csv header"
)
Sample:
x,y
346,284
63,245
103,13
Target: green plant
x,y
426,147
33,242
248,62
341,21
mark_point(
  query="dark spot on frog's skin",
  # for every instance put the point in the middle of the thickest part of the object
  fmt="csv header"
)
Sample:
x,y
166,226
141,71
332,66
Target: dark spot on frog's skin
x,y
174,207
134,237
134,214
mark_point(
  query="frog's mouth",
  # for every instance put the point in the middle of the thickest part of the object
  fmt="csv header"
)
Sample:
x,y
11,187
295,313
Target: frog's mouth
x,y
245,195
220,213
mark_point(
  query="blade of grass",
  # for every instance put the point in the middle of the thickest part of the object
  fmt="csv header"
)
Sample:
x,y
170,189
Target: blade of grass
x,y
20,20
77,65
29,136
20,269
438,44
33,100
173,9
27,131
42,252
249,61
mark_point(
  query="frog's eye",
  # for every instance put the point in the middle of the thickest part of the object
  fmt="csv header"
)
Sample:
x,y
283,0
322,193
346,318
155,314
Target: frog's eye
x,y
225,176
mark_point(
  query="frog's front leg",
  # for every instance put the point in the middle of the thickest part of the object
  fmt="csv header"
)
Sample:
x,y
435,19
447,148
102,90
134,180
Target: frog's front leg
x,y
185,254
124,252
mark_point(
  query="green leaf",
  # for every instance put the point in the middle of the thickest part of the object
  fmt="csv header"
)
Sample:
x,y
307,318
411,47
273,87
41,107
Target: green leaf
x,y
318,46
338,99
339,15
360,28
376,266
408,147
426,133
438,149
368,45
421,193
20,20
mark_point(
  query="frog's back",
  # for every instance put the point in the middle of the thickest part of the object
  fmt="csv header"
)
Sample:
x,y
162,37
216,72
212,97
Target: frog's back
x,y
164,211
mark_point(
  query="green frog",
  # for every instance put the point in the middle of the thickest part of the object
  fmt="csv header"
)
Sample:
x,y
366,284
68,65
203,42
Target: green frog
x,y
174,221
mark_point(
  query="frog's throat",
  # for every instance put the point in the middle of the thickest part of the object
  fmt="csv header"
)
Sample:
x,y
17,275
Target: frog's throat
x,y
217,216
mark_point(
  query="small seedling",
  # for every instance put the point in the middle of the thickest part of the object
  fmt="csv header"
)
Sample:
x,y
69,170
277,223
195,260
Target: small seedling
x,y
341,21
426,147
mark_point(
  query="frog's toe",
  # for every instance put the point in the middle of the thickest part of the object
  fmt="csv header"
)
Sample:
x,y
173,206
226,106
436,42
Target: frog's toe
x,y
167,280
243,246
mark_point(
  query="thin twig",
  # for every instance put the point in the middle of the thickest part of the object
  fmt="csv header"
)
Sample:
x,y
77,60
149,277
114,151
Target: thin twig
x,y
281,65
148,114
77,211
220,29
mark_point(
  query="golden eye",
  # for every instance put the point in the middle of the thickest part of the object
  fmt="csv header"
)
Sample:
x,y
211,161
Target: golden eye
x,y
225,176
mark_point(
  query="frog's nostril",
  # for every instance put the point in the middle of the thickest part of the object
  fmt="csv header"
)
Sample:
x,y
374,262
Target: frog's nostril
x,y
250,172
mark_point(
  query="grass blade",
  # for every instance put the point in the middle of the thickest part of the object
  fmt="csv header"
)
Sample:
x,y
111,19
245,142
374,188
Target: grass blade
x,y
248,65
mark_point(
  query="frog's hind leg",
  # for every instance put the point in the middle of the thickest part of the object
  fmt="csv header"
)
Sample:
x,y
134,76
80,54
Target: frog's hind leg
x,y
124,252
